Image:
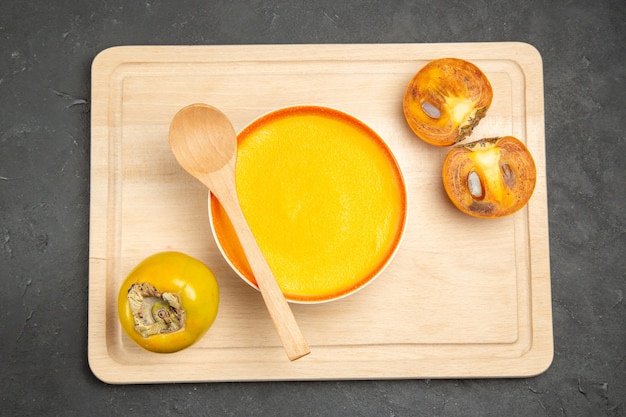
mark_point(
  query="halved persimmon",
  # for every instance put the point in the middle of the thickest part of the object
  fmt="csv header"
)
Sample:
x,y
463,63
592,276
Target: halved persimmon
x,y
491,177
445,100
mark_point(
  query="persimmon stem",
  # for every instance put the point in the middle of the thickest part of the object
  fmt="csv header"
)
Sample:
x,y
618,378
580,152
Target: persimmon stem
x,y
155,312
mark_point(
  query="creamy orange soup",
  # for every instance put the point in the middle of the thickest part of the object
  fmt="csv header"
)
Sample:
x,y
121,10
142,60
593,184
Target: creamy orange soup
x,y
323,196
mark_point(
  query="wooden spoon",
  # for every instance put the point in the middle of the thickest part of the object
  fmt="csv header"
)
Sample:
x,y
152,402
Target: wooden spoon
x,y
205,144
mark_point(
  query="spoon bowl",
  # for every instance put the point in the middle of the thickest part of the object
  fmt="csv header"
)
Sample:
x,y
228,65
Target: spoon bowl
x,y
204,143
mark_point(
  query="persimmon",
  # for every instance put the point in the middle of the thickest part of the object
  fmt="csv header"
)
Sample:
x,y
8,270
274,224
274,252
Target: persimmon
x,y
168,301
489,178
445,100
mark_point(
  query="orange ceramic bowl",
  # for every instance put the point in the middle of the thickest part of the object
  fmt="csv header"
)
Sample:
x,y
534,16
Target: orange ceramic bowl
x,y
324,197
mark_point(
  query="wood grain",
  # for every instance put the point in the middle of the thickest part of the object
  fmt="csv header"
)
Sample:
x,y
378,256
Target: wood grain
x,y
463,297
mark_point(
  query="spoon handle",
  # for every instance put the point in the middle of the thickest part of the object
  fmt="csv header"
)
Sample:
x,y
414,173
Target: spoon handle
x,y
292,339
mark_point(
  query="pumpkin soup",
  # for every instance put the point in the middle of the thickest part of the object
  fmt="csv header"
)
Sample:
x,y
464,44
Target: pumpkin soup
x,y
323,196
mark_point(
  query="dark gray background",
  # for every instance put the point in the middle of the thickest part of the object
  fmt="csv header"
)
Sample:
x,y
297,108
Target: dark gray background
x,y
46,51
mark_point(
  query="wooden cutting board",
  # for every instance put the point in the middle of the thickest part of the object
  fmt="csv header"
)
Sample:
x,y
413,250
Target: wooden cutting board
x,y
463,297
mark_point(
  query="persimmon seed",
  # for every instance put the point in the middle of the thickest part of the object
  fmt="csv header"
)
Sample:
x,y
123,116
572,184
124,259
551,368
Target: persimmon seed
x,y
431,110
474,185
507,174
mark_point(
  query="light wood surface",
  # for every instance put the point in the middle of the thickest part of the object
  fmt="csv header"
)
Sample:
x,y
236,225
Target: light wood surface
x,y
204,142
463,297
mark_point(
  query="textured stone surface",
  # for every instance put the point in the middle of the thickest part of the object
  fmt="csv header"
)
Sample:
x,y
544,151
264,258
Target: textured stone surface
x,y
46,49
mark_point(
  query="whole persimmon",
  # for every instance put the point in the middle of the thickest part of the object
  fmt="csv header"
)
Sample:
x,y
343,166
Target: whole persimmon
x,y
489,178
167,302
445,100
